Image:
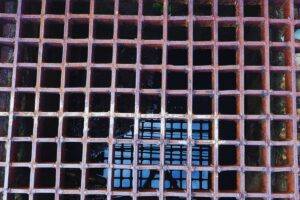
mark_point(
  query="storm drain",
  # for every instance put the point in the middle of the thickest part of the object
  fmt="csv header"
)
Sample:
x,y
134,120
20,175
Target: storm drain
x,y
149,99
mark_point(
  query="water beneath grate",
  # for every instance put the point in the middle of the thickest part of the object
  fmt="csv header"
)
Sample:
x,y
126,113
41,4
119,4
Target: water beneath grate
x,y
148,180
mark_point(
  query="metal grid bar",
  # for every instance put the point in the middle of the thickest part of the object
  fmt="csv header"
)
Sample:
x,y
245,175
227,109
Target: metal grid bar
x,y
32,53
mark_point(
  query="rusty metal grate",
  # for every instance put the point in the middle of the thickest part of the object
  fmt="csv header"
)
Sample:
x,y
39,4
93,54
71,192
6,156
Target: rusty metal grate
x,y
149,99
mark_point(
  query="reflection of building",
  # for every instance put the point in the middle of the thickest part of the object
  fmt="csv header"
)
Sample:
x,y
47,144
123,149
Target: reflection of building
x,y
149,129
175,153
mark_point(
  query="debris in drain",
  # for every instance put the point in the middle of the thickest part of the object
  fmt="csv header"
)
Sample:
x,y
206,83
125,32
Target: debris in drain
x,y
278,81
279,156
276,10
279,130
157,8
279,105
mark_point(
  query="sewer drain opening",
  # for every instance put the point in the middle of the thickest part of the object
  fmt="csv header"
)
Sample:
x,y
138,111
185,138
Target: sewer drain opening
x,y
140,128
